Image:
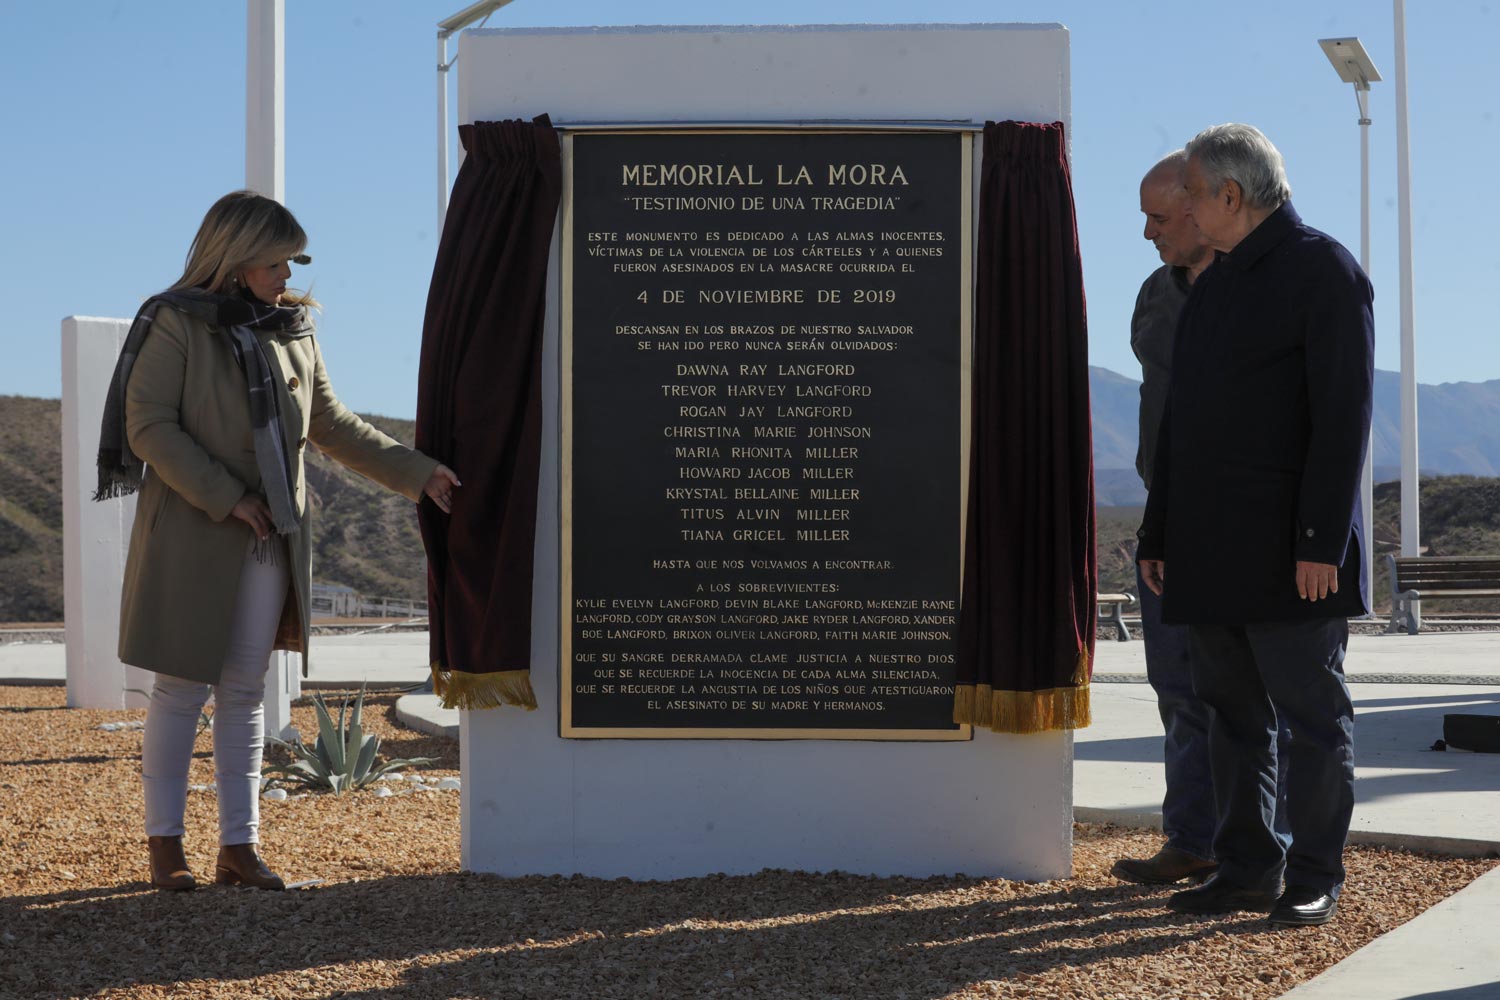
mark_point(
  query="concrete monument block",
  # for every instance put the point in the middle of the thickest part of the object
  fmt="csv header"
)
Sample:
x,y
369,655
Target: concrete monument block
x,y
95,535
534,801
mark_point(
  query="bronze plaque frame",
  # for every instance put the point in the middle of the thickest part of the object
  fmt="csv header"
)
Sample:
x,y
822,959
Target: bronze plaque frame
x,y
566,687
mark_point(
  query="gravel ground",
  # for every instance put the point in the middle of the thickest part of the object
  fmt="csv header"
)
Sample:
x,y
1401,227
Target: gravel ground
x,y
397,919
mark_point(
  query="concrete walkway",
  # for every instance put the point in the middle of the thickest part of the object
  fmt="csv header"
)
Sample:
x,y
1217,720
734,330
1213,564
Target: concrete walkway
x,y
1406,795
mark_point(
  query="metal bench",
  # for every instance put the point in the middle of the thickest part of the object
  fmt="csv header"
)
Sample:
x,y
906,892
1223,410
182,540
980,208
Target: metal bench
x,y
1112,609
1416,577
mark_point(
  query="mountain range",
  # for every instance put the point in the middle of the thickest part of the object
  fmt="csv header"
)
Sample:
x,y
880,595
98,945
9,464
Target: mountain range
x,y
367,538
363,536
1458,431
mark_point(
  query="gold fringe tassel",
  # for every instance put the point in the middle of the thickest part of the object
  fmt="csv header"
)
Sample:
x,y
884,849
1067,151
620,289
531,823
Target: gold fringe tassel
x,y
460,689
1027,712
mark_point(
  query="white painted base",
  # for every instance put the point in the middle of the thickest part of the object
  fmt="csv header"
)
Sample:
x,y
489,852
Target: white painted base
x,y
533,802
537,804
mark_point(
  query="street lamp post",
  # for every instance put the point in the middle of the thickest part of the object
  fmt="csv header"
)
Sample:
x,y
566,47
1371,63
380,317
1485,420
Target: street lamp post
x,y
1353,65
1410,511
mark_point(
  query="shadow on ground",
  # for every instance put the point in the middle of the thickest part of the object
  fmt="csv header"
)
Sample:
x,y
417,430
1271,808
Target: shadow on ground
x,y
481,935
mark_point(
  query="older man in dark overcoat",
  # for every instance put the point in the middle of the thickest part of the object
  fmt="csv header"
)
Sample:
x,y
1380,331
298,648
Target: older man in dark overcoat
x,y
1251,534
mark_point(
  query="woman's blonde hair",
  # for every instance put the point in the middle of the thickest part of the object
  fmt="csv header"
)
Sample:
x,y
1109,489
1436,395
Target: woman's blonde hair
x,y
241,230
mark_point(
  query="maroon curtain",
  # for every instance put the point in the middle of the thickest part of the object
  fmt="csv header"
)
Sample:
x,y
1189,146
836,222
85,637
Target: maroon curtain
x,y
479,409
1026,627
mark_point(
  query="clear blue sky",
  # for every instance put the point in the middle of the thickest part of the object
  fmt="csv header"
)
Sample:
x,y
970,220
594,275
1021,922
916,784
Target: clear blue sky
x,y
122,120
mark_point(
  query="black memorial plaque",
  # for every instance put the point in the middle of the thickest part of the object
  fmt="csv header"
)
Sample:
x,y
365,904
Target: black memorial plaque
x,y
763,405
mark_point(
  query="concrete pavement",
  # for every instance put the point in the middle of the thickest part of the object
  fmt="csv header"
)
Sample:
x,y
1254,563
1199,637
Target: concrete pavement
x,y
379,658
1406,795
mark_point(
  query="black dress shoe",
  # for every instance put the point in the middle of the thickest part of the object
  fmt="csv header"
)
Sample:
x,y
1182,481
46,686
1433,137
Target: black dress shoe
x,y
1167,866
1220,896
1301,906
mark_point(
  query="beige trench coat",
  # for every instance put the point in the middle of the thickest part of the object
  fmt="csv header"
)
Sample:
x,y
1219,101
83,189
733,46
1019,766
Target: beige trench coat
x,y
188,417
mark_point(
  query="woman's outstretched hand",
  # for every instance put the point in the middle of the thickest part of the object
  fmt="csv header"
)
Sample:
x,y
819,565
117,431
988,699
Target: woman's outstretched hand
x,y
441,486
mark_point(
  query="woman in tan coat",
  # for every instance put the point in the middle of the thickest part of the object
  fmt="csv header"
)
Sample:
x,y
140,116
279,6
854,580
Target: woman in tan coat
x,y
219,389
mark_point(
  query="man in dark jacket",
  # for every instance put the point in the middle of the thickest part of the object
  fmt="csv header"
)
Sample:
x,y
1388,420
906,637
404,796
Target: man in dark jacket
x,y
1252,508
1187,809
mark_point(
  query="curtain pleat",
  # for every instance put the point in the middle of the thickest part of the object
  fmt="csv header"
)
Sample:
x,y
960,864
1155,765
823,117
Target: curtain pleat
x,y
479,409
1026,625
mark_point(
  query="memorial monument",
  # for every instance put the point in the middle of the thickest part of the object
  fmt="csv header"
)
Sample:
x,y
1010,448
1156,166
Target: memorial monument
x,y
754,462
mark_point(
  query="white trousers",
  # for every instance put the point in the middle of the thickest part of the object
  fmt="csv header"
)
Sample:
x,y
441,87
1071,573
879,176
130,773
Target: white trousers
x,y
239,720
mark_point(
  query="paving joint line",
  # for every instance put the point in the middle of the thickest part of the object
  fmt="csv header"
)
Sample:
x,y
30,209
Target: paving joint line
x,y
1473,680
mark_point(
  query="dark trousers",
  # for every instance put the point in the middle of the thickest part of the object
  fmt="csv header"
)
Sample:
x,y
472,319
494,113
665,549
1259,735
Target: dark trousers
x,y
1188,817
1252,676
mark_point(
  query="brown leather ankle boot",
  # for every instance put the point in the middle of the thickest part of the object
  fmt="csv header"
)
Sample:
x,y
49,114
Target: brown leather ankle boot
x,y
240,865
169,867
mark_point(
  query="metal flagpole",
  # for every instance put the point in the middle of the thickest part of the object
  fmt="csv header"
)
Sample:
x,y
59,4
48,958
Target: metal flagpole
x,y
265,98
1410,512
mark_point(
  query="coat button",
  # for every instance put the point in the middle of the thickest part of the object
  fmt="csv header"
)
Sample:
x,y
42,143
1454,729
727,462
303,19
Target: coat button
x,y
302,442
292,383
1308,532
1141,533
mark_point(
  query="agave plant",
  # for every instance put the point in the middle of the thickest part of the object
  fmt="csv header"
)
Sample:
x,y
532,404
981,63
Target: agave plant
x,y
342,758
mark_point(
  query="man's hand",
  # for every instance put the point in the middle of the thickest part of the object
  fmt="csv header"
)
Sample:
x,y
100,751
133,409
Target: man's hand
x,y
1154,572
1316,581
440,487
253,511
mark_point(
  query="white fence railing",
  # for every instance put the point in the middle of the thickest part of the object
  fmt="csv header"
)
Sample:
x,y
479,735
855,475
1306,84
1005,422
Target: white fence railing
x,y
358,606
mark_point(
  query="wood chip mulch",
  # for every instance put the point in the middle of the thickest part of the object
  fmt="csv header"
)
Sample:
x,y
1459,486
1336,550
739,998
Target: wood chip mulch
x,y
397,919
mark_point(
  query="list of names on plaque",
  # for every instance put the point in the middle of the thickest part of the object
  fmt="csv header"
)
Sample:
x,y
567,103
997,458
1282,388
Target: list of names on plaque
x,y
762,433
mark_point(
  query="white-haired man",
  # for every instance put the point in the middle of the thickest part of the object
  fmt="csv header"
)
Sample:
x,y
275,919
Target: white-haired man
x,y
1187,808
1253,509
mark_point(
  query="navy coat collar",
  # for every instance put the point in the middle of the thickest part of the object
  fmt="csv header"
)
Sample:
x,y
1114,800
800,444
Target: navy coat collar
x,y
1262,239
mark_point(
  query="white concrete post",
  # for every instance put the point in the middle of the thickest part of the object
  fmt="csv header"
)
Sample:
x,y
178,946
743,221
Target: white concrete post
x,y
265,172
265,98
283,686
95,535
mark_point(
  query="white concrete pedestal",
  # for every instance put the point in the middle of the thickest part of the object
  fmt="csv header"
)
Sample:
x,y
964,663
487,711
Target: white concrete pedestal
x,y
533,802
95,535
283,686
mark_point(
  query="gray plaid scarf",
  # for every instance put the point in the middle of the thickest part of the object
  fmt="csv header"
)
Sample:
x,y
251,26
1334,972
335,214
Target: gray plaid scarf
x,y
240,317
